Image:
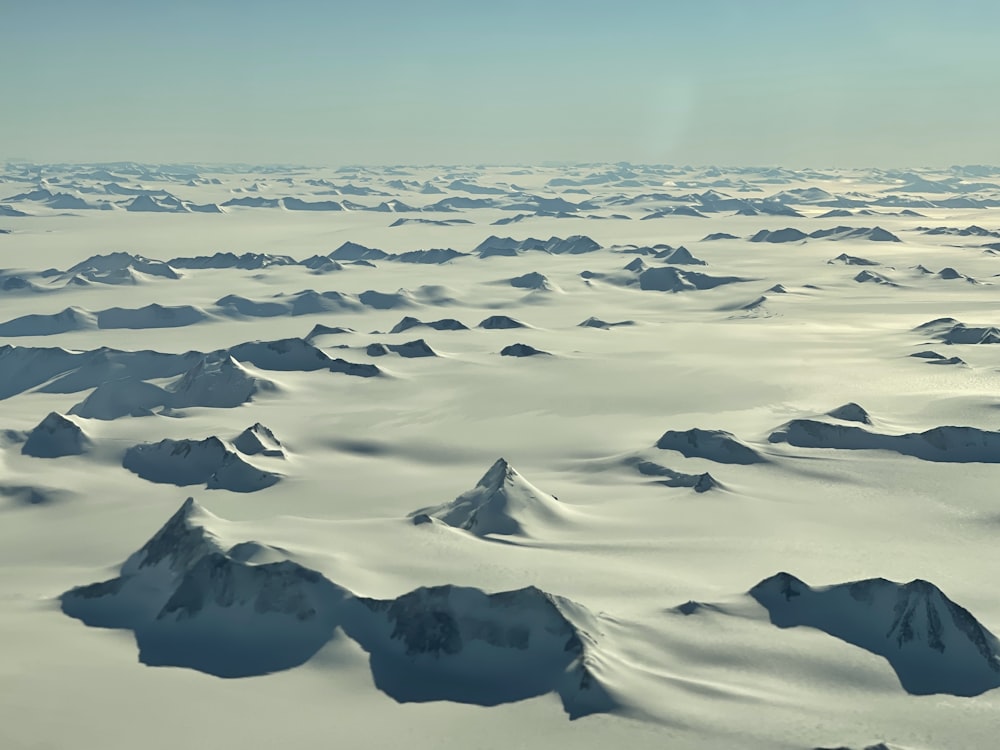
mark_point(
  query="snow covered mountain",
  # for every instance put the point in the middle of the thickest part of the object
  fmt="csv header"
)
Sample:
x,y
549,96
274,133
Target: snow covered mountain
x,y
933,644
502,502
193,600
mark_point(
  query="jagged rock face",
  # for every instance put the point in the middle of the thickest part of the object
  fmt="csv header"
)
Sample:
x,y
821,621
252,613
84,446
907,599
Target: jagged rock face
x,y
217,382
113,267
963,334
186,462
55,436
574,245
502,502
442,619
933,644
219,581
455,643
191,603
179,543
715,445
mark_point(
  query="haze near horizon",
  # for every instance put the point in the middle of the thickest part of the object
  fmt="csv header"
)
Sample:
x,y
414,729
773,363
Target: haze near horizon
x,y
874,84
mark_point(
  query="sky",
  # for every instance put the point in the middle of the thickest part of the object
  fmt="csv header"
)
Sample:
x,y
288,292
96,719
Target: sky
x,y
335,82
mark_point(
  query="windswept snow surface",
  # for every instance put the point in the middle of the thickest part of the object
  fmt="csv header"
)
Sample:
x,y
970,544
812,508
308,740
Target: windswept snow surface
x,y
332,360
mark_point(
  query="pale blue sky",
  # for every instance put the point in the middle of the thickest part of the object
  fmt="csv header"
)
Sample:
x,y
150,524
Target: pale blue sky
x,y
876,82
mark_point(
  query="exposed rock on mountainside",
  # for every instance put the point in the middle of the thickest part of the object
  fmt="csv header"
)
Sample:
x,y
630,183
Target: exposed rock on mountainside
x,y
235,610
933,644
502,502
56,436
715,445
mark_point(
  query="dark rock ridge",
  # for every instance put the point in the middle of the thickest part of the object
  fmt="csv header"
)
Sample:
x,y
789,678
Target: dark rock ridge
x,y
409,350
950,274
282,354
533,280
852,260
574,245
244,261
933,644
933,358
870,277
789,234
670,279
116,268
715,445
970,231
445,324
258,440
194,601
185,462
943,444
500,322
779,235
593,322
680,256
669,478
323,330
951,331
217,381
851,412
521,350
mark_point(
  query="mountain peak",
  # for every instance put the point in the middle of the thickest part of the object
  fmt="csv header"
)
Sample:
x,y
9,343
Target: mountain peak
x,y
181,541
502,502
499,473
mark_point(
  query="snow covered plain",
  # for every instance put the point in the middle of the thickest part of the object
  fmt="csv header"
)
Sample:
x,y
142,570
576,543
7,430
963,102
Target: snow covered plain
x,y
596,456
